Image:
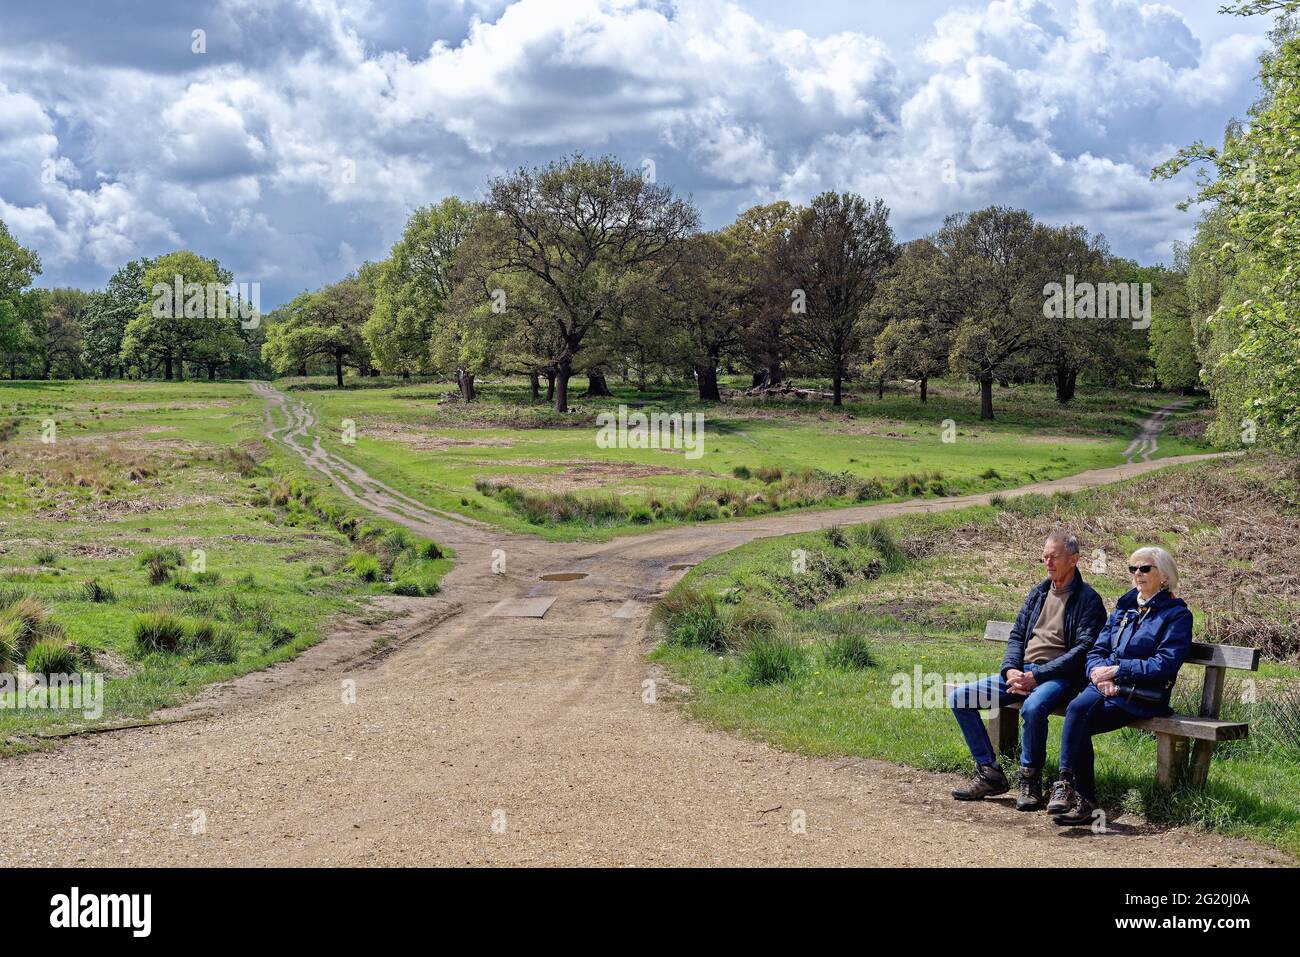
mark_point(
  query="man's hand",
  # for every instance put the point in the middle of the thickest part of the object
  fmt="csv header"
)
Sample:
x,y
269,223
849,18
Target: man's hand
x,y
1104,673
1020,682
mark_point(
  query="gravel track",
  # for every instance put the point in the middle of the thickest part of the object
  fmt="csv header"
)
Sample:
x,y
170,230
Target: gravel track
x,y
487,741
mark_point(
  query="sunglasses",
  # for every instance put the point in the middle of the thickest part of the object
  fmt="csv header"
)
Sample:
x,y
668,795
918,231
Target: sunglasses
x,y
1144,569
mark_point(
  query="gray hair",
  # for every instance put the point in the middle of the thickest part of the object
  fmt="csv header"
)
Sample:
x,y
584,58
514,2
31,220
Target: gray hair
x,y
1163,561
1068,541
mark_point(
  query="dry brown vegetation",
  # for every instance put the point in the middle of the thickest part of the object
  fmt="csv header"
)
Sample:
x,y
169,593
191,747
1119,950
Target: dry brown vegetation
x,y
1232,525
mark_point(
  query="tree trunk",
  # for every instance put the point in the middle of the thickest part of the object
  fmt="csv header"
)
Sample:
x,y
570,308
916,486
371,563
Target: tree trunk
x,y
466,382
775,375
760,378
925,386
707,377
1062,384
167,368
986,396
338,370
837,383
880,389
302,368
406,375
534,386
212,373
562,374
596,384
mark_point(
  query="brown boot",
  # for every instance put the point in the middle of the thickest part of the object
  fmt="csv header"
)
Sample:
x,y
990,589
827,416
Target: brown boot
x,y
1031,790
987,782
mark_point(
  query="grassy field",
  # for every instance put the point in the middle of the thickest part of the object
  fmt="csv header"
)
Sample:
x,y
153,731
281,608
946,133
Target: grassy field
x,y
759,455
148,532
816,661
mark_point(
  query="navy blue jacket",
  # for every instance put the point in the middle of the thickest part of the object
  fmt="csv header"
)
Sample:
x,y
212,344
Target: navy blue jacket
x,y
1149,655
1085,615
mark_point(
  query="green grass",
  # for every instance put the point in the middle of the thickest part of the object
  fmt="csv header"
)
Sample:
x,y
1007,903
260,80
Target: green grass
x,y
504,437
839,679
157,499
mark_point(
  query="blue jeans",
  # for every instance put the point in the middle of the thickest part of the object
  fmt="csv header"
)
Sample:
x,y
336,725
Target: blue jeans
x,y
968,700
1090,713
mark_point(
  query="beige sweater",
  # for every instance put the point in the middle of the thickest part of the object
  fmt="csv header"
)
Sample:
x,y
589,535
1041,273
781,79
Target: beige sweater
x,y
1047,640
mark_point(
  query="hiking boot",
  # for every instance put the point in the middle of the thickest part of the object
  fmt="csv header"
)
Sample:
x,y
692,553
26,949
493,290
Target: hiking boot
x,y
1079,816
987,782
1031,790
1064,797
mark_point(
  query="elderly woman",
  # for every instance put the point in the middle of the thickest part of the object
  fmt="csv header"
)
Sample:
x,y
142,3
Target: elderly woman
x,y
1131,670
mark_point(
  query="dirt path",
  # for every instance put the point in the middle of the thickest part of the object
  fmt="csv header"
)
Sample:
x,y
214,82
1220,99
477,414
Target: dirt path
x,y
536,726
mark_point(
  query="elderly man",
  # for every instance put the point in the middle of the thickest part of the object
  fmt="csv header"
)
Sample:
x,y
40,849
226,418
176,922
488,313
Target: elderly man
x,y
1043,669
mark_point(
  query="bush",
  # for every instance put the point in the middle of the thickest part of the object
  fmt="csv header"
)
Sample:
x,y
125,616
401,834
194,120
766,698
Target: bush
x,y
54,656
92,590
849,653
772,659
429,549
158,631
836,537
365,566
46,556
768,474
741,472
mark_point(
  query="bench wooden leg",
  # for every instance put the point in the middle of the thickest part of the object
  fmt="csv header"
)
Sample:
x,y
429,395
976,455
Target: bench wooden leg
x,y
1201,751
1171,758
1004,730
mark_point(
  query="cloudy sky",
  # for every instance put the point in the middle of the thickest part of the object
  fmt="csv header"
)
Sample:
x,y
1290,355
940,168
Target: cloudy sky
x,y
295,144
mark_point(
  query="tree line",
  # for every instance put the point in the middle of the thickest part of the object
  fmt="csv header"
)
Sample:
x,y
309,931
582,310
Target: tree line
x,y
587,267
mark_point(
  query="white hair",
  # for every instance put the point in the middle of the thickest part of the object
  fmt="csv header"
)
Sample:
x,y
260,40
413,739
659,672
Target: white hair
x,y
1164,562
1066,540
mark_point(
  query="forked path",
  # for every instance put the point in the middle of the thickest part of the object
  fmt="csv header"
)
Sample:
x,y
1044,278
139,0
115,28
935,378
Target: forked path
x,y
488,740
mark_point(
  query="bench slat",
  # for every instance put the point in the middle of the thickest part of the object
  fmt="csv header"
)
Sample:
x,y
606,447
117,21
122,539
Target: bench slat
x,y
1224,656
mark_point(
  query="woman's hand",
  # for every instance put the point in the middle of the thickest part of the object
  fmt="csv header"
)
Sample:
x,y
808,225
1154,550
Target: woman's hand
x,y
1104,673
1107,688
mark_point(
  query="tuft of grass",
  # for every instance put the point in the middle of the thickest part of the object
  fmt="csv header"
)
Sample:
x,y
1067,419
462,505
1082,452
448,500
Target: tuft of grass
x,y
46,557
836,537
95,591
279,493
742,472
281,635
365,566
158,631
54,656
208,644
848,652
159,563
429,549
772,659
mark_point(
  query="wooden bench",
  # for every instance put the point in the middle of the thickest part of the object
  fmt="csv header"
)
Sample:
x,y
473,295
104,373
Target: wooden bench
x,y
1173,732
